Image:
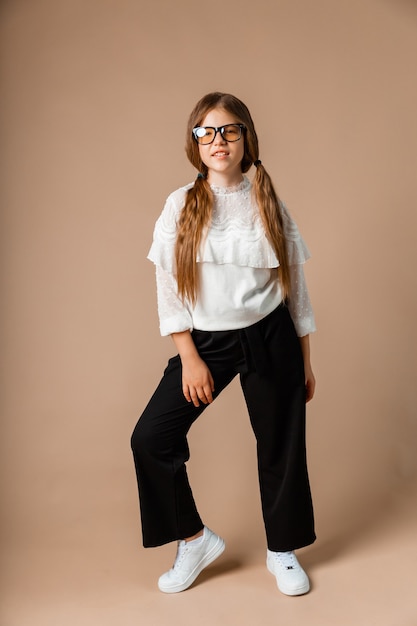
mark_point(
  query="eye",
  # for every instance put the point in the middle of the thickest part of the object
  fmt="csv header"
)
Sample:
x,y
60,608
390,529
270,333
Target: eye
x,y
231,131
200,132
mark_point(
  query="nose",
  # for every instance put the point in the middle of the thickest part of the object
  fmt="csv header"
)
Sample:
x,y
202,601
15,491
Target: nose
x,y
218,139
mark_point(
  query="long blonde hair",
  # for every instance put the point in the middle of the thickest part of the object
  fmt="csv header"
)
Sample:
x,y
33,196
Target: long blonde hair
x,y
198,206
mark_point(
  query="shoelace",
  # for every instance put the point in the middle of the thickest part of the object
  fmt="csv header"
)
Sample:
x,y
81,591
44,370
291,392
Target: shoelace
x,y
286,559
181,552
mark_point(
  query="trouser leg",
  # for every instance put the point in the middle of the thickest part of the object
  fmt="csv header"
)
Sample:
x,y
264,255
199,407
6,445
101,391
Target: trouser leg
x,y
160,450
276,405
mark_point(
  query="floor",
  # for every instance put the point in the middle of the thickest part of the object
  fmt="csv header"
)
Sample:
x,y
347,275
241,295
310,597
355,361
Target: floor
x,y
362,576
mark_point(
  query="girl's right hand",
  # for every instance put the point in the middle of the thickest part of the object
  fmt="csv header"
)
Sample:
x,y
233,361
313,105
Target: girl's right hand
x,y
197,381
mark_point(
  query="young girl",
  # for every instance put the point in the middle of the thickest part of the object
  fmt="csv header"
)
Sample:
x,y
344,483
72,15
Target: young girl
x,y
232,295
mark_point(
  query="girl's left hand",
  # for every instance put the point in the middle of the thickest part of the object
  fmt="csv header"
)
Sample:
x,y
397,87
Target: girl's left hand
x,y
310,382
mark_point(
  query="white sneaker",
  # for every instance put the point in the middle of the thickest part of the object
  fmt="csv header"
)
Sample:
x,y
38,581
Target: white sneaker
x,y
291,578
191,559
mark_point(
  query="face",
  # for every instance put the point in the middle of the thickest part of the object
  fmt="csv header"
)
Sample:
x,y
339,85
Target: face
x,y
222,158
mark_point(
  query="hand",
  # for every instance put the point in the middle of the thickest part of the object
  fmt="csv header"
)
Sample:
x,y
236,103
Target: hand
x,y
197,381
310,382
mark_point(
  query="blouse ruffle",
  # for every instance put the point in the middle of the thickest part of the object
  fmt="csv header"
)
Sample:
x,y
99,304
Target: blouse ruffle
x,y
235,234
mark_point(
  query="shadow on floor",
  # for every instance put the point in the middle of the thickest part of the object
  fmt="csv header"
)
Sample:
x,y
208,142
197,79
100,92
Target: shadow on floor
x,y
219,568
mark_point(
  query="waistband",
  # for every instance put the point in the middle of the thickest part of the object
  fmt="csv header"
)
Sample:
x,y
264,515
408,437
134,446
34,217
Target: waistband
x,y
252,339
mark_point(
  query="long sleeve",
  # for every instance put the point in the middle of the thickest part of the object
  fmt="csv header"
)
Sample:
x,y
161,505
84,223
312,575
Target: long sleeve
x,y
299,303
174,316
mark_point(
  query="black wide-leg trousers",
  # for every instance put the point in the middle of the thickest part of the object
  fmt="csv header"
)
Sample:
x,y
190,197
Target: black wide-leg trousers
x,y
268,358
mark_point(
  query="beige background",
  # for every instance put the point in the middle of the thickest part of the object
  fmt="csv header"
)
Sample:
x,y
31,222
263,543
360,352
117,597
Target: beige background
x,y
95,97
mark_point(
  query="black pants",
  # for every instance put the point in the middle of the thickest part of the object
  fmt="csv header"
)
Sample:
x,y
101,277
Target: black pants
x,y
268,357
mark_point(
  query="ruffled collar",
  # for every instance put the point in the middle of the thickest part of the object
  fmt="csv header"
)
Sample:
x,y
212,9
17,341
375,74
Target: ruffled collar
x,y
244,185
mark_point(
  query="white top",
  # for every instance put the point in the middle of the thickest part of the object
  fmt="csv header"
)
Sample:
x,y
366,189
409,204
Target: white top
x,y
236,264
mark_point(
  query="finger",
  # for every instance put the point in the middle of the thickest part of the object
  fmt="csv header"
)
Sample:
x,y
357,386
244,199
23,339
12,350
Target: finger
x,y
194,397
309,392
186,392
209,388
208,394
202,395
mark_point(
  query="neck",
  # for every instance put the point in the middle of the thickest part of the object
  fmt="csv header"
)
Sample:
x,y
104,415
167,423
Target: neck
x,y
220,179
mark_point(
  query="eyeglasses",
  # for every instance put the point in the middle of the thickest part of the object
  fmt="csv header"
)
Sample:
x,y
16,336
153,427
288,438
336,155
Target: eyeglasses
x,y
207,134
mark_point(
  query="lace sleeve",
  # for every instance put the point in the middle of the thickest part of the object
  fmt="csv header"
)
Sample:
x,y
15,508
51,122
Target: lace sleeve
x,y
296,247
299,303
174,316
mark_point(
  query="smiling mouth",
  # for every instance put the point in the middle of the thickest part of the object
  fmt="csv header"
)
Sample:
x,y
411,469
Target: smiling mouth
x,y
220,154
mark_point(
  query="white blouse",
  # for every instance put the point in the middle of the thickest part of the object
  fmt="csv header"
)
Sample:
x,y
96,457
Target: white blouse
x,y
236,264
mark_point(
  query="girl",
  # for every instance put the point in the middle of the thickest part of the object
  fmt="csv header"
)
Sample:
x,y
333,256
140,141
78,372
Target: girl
x,y
231,294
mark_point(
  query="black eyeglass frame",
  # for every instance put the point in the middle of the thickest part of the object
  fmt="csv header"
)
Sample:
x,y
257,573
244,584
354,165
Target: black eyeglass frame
x,y
218,129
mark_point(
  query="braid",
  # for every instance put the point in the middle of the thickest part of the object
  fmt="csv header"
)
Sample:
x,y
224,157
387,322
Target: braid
x,y
269,208
195,215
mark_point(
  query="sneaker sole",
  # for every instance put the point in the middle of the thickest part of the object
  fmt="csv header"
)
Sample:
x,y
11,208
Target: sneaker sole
x,y
298,591
211,556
